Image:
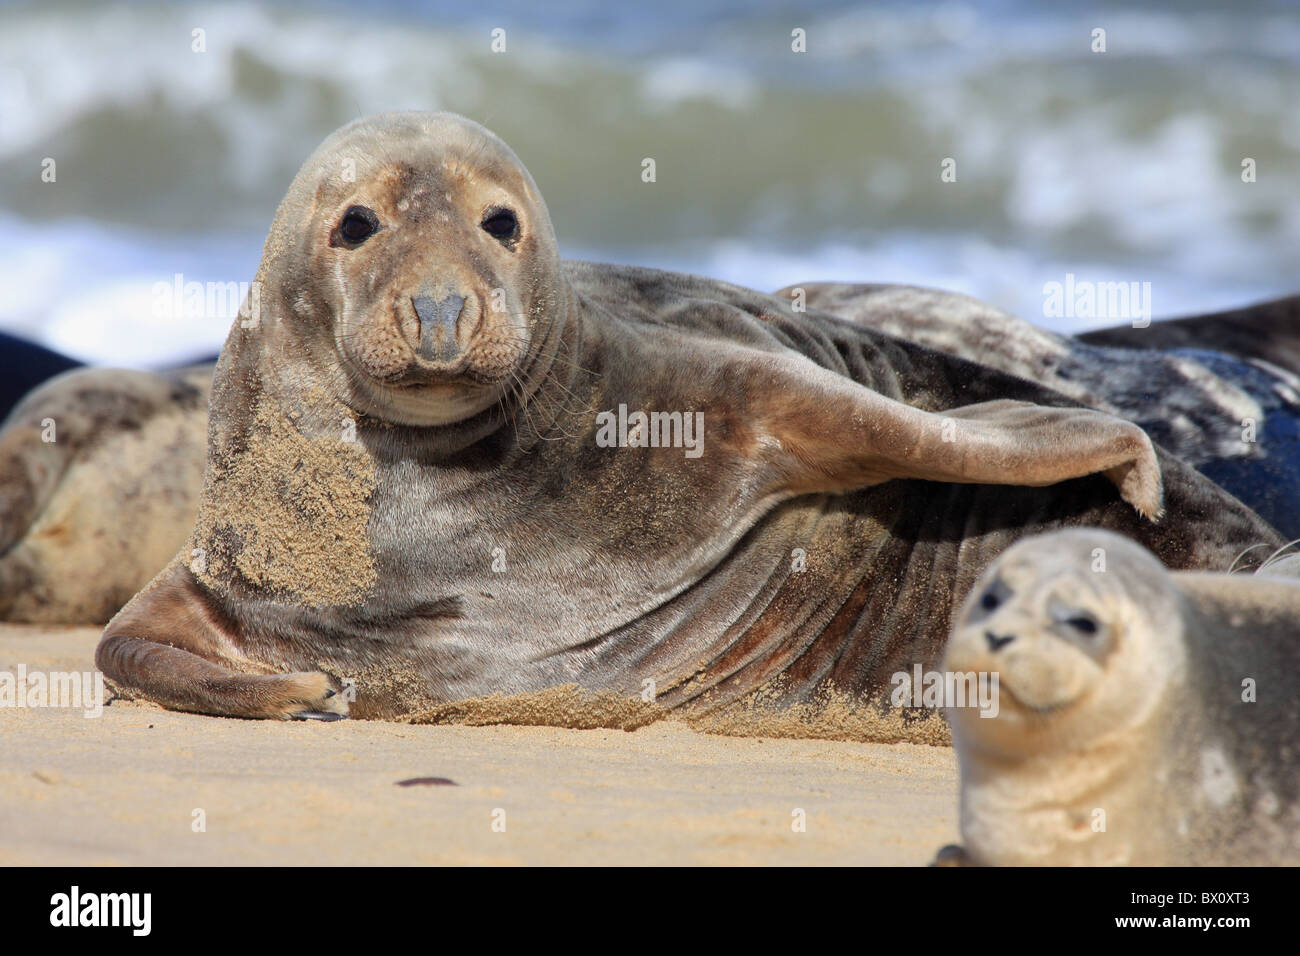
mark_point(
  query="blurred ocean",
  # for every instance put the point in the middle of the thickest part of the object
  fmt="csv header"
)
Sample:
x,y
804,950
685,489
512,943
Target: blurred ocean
x,y
773,167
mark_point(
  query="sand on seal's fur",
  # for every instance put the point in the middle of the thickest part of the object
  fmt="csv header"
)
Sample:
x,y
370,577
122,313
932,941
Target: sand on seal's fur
x,y
830,715
291,514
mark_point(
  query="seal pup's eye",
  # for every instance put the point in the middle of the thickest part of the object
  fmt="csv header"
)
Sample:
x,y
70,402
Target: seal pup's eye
x,y
357,225
994,596
501,224
1083,623
1076,620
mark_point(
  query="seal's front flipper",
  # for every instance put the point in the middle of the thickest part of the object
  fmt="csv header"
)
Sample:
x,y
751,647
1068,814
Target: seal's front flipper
x,y
171,646
826,433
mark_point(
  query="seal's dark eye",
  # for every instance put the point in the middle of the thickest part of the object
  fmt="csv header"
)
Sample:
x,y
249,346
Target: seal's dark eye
x,y
992,598
501,224
358,224
1083,623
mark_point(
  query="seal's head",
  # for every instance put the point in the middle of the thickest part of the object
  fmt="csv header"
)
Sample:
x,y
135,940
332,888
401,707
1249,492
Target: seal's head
x,y
1082,628
417,247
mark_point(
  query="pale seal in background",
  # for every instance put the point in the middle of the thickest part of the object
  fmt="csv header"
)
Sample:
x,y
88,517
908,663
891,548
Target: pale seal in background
x,y
99,480
407,494
1143,717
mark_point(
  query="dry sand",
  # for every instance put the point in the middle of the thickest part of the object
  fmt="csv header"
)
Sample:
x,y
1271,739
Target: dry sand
x,y
122,789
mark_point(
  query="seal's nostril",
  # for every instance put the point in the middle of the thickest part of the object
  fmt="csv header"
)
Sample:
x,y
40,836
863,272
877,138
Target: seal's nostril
x,y
438,318
997,643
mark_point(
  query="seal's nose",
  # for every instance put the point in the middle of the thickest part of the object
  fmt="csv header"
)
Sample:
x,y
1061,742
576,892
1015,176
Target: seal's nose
x,y
997,643
438,320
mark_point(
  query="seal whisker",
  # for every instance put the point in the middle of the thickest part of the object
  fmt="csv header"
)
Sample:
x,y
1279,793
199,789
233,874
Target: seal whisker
x,y
1232,568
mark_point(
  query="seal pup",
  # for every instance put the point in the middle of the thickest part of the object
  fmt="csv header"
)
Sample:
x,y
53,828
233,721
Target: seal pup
x,y
100,471
443,464
1143,717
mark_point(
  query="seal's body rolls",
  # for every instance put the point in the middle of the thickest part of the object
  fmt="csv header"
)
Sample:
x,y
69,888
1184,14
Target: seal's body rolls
x,y
409,487
1143,717
99,480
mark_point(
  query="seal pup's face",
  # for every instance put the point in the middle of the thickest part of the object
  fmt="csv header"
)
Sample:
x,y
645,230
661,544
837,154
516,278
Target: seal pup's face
x,y
1081,628
426,256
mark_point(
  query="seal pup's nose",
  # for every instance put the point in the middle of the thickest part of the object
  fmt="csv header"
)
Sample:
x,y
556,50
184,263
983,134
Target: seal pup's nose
x,y
997,643
438,320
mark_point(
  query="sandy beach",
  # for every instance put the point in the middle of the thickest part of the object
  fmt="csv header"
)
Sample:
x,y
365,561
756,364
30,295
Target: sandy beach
x,y
122,788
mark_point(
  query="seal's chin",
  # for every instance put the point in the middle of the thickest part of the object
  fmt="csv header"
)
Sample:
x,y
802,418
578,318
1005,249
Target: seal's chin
x,y
424,397
424,405
1030,700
